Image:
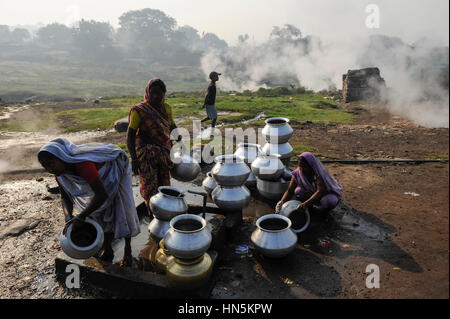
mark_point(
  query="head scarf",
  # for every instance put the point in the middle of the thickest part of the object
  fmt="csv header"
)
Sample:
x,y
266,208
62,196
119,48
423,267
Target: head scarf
x,y
320,171
147,89
71,153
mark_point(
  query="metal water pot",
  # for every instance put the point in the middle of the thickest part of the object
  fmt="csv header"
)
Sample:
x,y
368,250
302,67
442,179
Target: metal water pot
x,y
289,209
268,167
189,274
230,170
186,168
251,180
168,203
162,257
285,150
231,198
209,184
248,151
273,236
277,130
83,243
272,190
188,237
158,228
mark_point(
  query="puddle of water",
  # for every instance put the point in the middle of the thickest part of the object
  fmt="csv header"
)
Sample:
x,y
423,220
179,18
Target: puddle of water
x,y
355,224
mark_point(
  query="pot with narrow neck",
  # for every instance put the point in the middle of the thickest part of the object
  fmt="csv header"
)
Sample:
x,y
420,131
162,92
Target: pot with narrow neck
x,y
268,167
277,130
273,236
209,184
230,170
188,237
231,198
185,167
168,203
248,151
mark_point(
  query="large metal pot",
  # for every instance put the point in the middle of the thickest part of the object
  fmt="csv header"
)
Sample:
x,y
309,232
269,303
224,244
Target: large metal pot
x,y
277,130
273,236
189,274
185,167
162,257
209,183
287,174
188,237
231,198
84,242
168,203
248,151
268,167
158,228
300,219
230,170
272,190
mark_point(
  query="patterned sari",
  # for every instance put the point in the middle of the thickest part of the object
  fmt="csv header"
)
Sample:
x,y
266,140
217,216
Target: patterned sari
x,y
153,147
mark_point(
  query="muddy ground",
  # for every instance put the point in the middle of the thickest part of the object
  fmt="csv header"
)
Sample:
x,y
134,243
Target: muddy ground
x,y
394,216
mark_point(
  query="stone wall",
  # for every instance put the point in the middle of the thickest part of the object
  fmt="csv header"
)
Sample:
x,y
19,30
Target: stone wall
x,y
363,85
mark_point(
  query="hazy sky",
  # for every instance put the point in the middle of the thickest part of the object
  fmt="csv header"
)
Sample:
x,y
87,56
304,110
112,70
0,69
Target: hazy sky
x,y
409,20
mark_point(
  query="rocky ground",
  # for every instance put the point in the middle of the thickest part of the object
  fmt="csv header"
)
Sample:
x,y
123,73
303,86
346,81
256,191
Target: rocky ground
x,y
394,216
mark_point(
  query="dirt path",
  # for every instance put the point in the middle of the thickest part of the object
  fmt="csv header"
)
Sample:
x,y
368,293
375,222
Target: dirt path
x,y
394,216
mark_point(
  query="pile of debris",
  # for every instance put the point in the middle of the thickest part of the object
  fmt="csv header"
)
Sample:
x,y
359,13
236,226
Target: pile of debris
x,y
363,85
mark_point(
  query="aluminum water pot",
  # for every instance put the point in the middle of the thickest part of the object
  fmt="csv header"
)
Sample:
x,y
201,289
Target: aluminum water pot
x,y
168,203
268,167
188,237
300,219
185,167
273,236
209,184
158,228
277,130
230,170
231,198
272,190
285,150
248,151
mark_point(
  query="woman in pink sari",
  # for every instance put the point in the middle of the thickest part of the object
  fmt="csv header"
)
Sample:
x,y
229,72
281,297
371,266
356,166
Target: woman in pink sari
x,y
312,185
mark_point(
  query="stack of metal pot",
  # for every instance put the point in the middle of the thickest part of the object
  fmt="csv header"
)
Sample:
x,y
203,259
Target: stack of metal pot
x,y
277,133
186,261
230,174
167,204
249,152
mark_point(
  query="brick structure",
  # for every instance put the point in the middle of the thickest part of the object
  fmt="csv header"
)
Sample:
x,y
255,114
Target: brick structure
x,y
364,84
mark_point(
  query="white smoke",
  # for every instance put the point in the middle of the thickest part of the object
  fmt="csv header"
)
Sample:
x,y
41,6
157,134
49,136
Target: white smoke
x,y
413,73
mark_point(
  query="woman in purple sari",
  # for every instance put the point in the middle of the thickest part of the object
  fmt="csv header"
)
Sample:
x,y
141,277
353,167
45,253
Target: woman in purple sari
x,y
312,184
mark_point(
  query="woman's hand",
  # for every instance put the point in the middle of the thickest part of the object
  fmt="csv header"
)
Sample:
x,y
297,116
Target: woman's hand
x,y
68,222
278,207
301,207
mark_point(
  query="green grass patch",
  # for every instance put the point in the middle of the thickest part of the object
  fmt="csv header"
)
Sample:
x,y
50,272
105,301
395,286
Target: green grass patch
x,y
91,118
440,157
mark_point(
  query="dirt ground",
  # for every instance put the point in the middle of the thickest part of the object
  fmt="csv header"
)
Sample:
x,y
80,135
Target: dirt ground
x,y
392,215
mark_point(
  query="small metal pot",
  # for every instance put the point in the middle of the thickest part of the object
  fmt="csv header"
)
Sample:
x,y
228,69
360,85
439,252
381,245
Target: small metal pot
x,y
273,236
289,209
158,228
189,274
230,170
231,198
188,237
272,190
168,203
277,130
72,242
268,167
209,183
185,167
